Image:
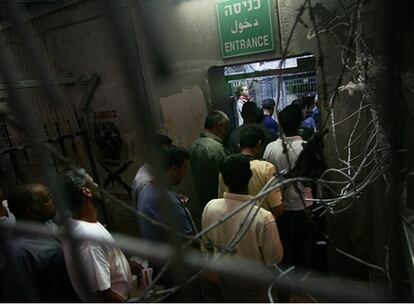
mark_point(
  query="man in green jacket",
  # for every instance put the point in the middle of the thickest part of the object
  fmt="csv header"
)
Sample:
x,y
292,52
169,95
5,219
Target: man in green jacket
x,y
207,153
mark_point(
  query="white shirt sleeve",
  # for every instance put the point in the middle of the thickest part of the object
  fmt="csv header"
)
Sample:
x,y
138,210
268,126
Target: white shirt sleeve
x,y
97,266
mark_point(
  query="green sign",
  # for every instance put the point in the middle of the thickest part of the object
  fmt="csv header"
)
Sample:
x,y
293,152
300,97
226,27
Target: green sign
x,y
245,27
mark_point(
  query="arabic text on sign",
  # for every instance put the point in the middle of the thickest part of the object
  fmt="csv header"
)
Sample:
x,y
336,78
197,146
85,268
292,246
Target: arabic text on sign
x,y
241,26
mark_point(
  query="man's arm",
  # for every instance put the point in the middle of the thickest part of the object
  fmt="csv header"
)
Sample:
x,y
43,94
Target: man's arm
x,y
205,171
275,197
97,268
270,243
277,211
182,218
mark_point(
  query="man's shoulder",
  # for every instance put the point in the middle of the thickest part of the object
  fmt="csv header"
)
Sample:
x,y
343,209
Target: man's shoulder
x,y
144,170
274,145
214,205
200,144
260,163
34,248
143,176
264,216
197,141
149,193
149,189
207,146
82,228
269,121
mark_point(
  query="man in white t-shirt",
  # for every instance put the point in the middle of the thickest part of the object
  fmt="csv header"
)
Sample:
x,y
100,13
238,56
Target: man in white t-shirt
x,y
106,272
294,225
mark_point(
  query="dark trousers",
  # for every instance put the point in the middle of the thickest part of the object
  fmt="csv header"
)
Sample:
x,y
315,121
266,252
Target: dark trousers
x,y
295,232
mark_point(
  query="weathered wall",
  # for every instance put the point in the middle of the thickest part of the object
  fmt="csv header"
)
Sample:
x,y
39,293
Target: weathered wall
x,y
77,40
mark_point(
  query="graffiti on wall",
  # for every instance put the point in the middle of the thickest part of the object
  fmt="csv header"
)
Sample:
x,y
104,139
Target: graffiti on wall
x,y
112,154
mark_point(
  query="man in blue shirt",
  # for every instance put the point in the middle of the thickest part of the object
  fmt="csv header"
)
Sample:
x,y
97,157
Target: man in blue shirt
x,y
308,125
158,201
268,107
144,174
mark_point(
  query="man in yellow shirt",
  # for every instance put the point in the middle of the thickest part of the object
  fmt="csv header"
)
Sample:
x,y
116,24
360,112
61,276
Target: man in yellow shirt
x,y
255,229
251,140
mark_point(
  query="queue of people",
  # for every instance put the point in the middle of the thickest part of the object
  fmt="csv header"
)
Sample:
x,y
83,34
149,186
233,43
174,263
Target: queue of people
x,y
277,228
228,175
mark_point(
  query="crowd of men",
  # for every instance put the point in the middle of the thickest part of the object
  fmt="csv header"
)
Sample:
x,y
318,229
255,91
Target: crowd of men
x,y
228,170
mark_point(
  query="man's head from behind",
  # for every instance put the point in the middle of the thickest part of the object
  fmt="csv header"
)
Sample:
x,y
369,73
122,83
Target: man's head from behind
x,y
236,173
217,123
250,113
300,104
289,119
252,137
80,188
309,102
175,162
268,106
32,202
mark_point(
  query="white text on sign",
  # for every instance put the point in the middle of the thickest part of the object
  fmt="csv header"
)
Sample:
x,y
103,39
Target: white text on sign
x,y
236,8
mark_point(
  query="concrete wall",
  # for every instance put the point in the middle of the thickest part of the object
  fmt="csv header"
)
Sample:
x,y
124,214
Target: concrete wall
x,y
76,40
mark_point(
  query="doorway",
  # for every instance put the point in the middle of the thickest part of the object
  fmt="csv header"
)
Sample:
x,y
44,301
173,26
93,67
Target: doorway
x,y
281,81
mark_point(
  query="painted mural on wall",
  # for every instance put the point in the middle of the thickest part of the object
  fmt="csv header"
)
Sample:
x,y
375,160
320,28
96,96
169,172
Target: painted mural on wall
x,y
113,160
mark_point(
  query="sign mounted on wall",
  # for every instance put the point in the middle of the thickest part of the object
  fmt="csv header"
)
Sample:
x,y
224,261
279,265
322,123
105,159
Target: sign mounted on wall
x,y
245,27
